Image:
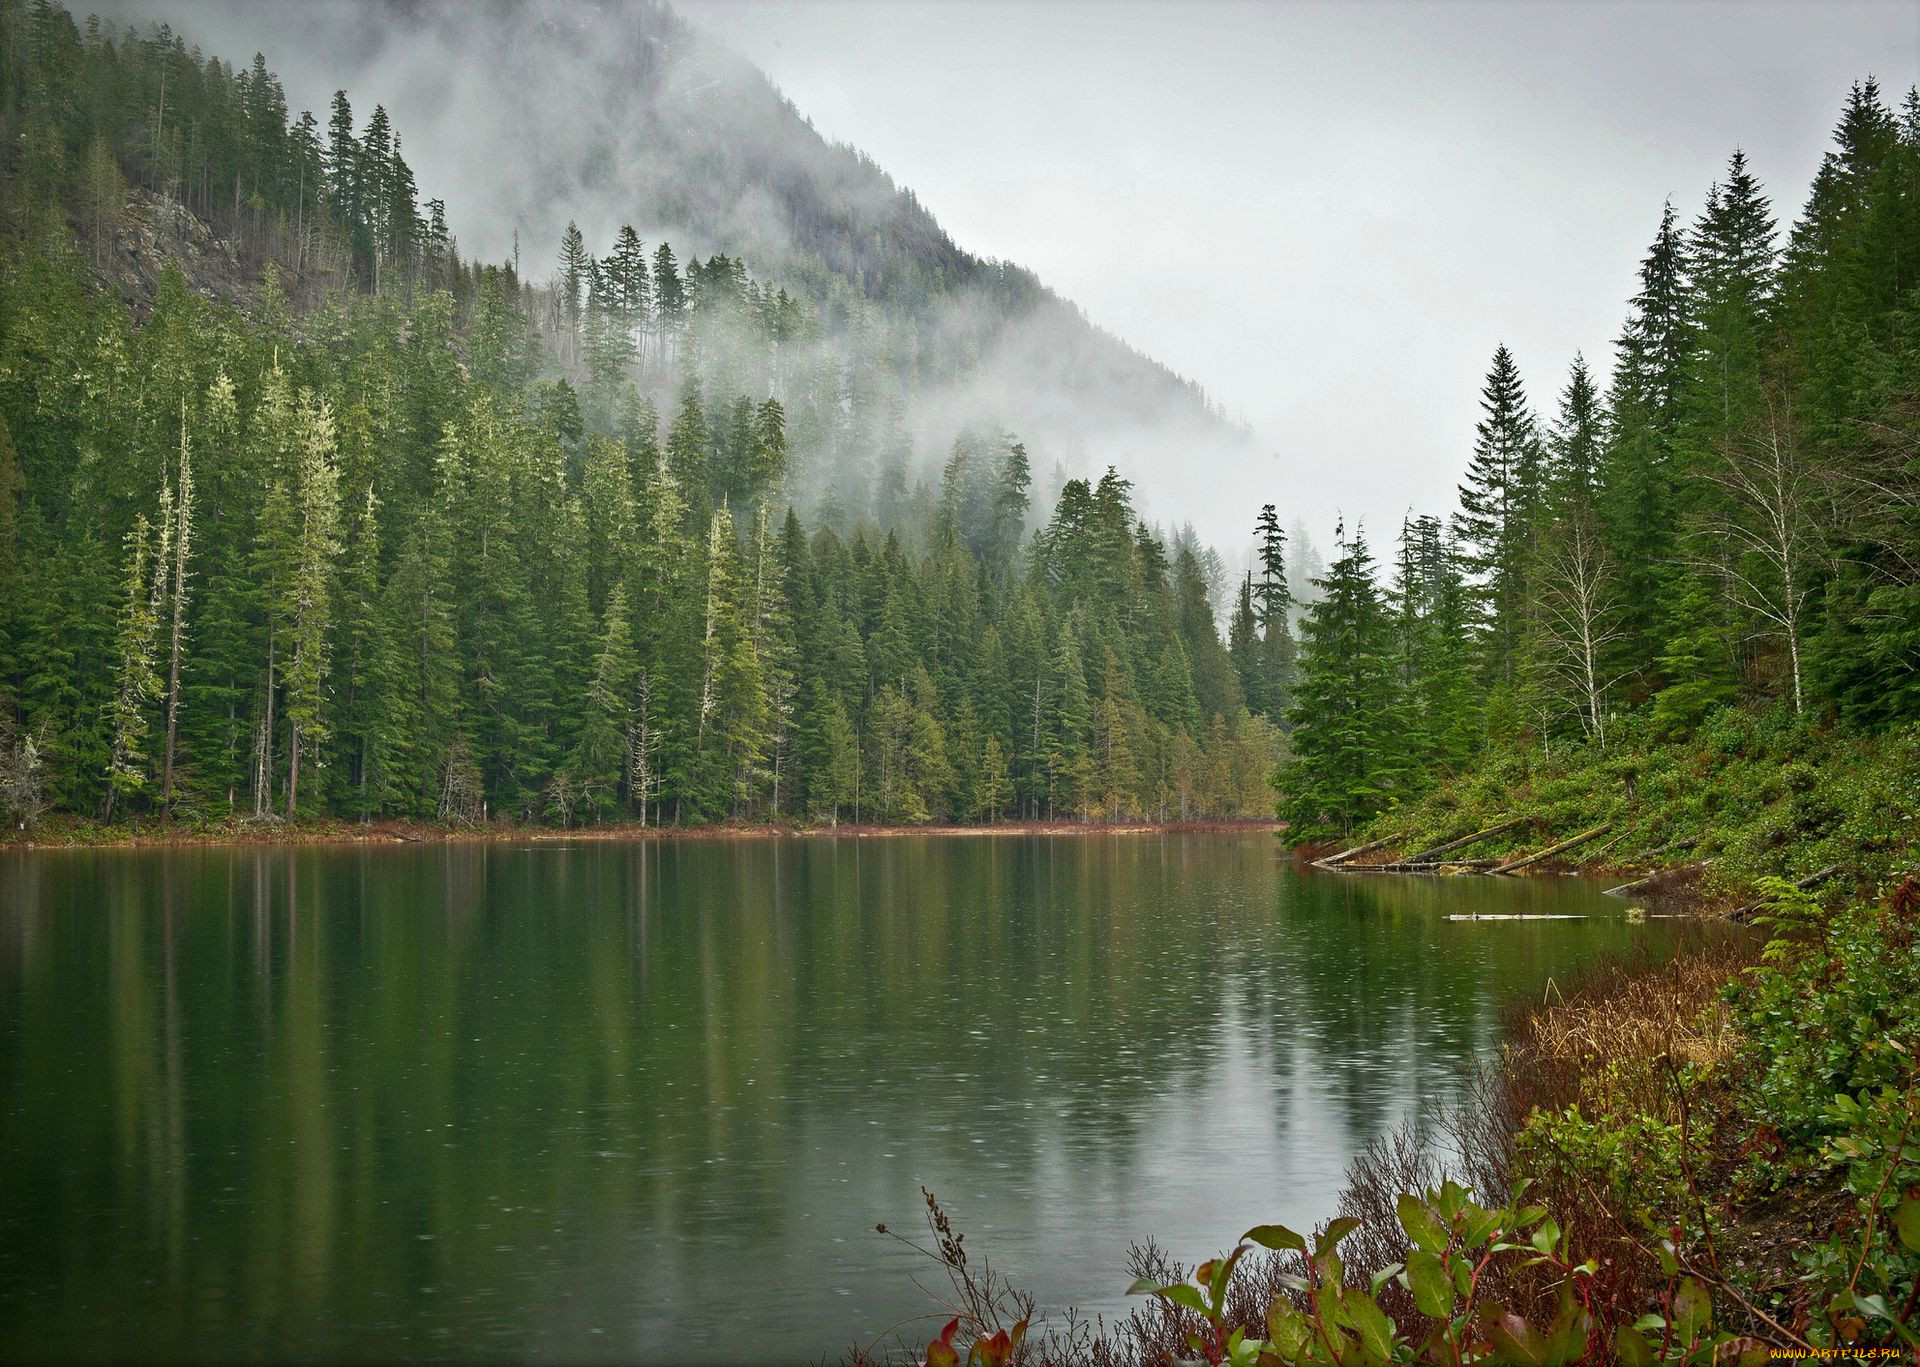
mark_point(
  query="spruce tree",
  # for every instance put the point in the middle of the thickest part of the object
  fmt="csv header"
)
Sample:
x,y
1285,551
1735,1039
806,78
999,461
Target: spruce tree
x,y
602,759
1348,761
1577,442
1243,647
1500,503
303,605
137,683
1273,599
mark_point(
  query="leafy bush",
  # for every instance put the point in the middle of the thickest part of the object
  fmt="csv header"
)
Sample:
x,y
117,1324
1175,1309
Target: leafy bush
x,y
1453,1243
1834,1007
1635,1161
1864,1282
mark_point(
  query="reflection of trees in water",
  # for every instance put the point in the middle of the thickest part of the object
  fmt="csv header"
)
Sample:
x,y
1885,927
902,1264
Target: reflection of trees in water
x,y
345,1073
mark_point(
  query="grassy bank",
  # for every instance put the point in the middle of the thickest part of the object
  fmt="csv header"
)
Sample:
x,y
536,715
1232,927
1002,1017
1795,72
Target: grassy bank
x,y
1753,794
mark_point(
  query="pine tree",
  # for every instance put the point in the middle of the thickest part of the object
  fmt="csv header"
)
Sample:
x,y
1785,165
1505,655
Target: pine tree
x,y
1577,442
1243,647
731,735
1010,504
1435,618
1117,742
367,672
1730,265
1349,731
140,605
770,642
1065,753
767,464
669,303
1637,499
182,548
304,603
629,283
689,442
1499,504
602,759
1273,609
343,161
575,266
834,767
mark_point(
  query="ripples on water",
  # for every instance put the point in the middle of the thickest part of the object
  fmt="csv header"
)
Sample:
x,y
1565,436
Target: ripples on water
x,y
648,1100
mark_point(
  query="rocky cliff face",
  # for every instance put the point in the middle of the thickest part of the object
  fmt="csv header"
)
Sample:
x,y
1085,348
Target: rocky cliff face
x,y
151,231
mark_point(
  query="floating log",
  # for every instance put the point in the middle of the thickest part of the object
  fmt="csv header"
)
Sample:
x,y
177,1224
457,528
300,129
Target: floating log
x,y
1477,836
1552,850
1335,860
1519,916
1816,877
1658,875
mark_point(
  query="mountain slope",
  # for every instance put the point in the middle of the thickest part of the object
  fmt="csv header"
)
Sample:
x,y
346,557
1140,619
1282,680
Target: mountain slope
x,y
612,113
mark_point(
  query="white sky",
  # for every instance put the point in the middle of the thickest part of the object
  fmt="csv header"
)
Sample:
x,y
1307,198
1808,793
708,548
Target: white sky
x,y
1329,214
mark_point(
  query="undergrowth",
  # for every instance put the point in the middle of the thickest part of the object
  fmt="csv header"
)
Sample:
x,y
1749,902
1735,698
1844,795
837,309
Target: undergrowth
x,y
1756,792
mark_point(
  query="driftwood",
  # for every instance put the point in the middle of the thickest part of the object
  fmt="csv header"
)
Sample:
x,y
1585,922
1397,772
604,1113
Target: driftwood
x,y
1818,876
1333,861
1657,876
1552,850
1476,837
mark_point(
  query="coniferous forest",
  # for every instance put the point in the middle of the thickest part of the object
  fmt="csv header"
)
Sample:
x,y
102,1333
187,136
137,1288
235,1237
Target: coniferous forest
x,y
305,514
1734,520
331,521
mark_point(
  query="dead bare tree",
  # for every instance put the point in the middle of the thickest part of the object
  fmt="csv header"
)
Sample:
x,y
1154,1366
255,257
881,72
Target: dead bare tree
x,y
1770,524
1578,617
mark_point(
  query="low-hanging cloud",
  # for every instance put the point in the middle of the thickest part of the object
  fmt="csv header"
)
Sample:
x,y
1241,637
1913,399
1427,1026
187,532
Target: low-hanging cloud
x,y
525,115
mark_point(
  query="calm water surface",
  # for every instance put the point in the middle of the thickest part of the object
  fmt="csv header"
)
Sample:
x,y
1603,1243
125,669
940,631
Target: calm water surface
x,y
647,1101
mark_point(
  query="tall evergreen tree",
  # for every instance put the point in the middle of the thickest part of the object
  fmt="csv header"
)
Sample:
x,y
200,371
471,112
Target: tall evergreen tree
x,y
1500,503
1348,762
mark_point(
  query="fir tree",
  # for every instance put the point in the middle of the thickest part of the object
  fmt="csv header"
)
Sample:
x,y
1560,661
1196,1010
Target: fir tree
x,y
1348,762
1577,442
1499,504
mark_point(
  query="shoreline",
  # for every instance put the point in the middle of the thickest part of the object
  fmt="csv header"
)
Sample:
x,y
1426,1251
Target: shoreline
x,y
88,836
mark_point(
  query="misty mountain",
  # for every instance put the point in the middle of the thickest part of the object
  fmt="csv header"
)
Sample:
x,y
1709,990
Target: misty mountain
x,y
611,113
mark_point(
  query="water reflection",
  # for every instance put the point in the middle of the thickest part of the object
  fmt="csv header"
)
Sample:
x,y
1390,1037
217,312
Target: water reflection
x,y
546,1100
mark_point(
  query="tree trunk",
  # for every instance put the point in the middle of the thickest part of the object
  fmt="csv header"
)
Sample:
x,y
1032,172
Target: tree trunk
x,y
293,771
263,772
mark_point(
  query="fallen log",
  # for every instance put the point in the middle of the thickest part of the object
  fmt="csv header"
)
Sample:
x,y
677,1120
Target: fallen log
x,y
1658,875
1476,837
1552,850
1335,860
1609,845
1443,866
1812,879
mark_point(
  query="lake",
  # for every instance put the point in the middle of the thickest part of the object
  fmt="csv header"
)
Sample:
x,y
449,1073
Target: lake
x,y
647,1100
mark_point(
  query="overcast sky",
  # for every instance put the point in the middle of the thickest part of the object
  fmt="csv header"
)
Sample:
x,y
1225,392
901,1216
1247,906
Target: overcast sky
x,y
1328,214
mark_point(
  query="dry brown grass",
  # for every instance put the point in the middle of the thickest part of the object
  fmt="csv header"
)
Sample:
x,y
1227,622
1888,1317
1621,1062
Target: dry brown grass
x,y
1610,1045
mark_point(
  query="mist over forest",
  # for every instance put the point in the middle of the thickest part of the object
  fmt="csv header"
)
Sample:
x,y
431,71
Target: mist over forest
x,y
620,114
